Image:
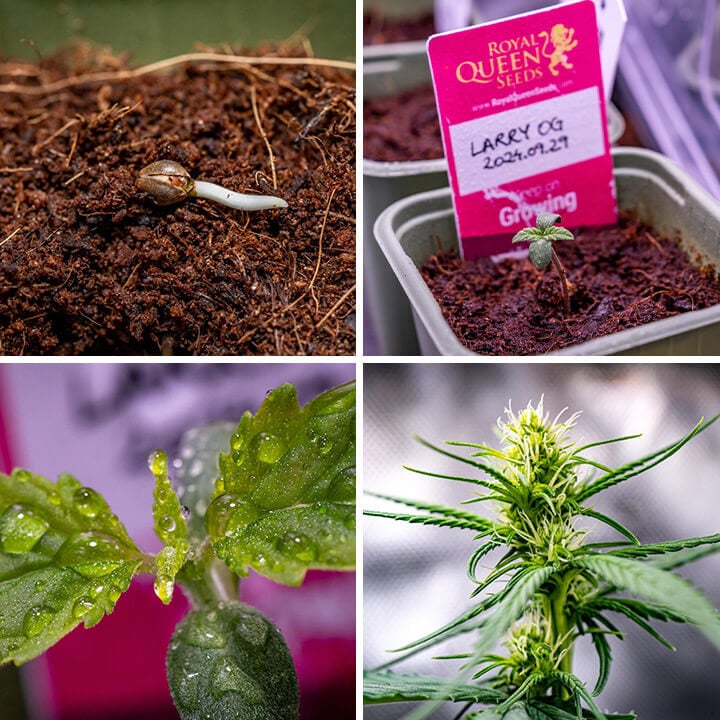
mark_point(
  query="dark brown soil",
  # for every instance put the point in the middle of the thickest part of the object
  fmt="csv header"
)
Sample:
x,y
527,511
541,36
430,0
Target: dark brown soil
x,y
402,127
90,265
379,29
624,277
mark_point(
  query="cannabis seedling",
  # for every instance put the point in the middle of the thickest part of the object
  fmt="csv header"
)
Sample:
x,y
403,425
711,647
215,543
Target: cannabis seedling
x,y
275,493
168,182
558,587
542,252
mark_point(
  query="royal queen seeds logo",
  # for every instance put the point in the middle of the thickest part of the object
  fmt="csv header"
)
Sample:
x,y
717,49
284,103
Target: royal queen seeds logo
x,y
563,42
515,61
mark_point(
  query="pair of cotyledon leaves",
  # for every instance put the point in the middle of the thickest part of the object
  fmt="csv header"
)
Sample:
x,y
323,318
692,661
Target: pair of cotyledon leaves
x,y
275,493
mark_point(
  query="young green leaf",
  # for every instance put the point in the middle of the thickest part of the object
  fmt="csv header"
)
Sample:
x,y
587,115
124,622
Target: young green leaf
x,y
461,518
658,586
670,546
231,663
170,527
636,467
382,687
285,498
64,559
511,608
198,469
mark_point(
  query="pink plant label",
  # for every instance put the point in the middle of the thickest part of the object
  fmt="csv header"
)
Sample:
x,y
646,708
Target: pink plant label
x,y
524,124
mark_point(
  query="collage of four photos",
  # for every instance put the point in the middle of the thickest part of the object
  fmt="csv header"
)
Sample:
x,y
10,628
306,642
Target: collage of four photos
x,y
283,433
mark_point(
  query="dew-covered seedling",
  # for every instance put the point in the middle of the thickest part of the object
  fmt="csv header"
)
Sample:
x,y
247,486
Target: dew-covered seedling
x,y
275,493
550,586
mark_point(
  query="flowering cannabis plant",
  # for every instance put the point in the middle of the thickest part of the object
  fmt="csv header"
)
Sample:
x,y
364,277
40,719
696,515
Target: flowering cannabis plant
x,y
558,586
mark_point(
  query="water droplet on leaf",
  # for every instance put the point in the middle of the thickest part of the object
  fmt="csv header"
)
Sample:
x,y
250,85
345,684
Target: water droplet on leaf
x,y
20,475
158,463
167,523
226,515
322,442
90,554
21,530
82,607
218,514
88,503
237,441
270,448
164,587
37,619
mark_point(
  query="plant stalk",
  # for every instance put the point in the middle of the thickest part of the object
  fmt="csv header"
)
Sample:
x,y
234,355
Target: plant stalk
x,y
208,581
563,280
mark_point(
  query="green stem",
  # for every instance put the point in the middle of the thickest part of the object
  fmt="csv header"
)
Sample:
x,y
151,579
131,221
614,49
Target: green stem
x,y
563,279
560,629
208,581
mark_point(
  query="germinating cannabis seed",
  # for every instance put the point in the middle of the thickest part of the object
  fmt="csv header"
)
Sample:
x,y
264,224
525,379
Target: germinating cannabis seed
x,y
168,182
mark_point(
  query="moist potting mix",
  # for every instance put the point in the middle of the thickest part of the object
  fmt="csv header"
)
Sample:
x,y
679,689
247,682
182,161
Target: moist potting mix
x,y
90,264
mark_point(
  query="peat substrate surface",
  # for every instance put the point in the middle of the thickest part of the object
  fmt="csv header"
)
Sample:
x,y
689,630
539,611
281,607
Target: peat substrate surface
x,y
91,265
623,277
402,127
380,28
